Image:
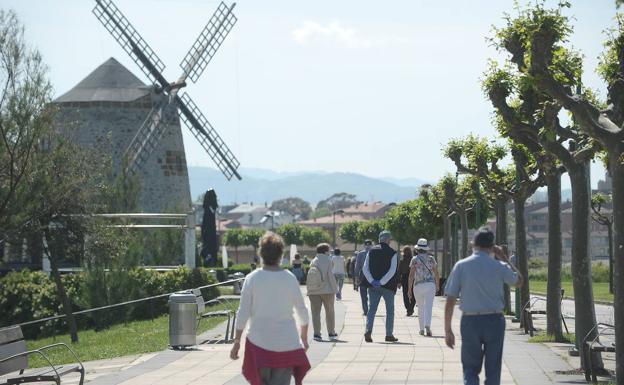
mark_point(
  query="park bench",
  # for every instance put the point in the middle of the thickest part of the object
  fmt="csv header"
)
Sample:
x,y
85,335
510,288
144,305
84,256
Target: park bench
x,y
14,359
590,345
201,312
528,312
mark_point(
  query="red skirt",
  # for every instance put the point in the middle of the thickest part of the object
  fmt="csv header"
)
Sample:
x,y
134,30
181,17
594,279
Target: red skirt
x,y
256,358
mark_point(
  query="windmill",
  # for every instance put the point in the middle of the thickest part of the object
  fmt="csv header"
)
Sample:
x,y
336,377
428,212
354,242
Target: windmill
x,y
171,103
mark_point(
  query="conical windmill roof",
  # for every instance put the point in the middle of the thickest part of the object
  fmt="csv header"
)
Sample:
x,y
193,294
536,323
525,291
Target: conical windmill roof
x,y
110,82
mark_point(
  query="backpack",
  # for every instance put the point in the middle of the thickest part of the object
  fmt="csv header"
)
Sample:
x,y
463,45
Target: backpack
x,y
314,281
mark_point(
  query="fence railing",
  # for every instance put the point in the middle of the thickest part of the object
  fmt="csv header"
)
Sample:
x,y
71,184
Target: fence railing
x,y
120,304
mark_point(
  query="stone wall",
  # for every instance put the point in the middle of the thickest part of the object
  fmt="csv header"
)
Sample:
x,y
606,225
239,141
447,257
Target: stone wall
x,y
108,128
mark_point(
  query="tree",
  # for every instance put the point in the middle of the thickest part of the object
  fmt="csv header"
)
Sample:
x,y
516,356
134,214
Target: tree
x,y
251,237
338,201
349,233
293,206
598,202
536,41
42,179
371,229
521,108
25,121
519,181
234,238
291,233
312,236
404,222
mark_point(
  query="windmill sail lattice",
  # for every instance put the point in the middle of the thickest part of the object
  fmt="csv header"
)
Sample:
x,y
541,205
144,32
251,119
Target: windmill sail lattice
x,y
161,116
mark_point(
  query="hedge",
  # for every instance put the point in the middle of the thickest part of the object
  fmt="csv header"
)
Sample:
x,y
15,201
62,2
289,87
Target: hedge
x,y
28,295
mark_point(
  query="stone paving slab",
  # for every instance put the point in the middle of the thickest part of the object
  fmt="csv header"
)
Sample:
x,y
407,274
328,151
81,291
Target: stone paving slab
x,y
350,361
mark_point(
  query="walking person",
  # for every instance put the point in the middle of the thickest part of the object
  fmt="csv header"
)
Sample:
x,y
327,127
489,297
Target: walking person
x,y
424,280
339,271
381,278
275,350
358,277
478,282
404,273
322,288
297,268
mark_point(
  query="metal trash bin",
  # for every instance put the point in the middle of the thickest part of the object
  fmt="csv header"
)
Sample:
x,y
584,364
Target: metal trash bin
x,y
238,285
182,320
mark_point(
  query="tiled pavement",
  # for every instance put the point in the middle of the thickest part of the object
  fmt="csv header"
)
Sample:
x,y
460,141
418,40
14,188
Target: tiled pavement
x,y
414,360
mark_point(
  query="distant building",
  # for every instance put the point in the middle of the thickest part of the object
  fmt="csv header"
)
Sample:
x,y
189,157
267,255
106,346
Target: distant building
x,y
605,186
537,232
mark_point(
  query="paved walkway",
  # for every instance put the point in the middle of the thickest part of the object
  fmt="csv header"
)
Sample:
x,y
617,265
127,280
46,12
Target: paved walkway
x,y
414,360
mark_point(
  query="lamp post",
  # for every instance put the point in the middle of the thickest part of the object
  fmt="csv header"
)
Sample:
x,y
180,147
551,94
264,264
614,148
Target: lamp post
x,y
339,211
266,217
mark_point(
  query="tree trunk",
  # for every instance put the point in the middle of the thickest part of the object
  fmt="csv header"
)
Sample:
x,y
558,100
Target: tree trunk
x,y
446,247
553,291
60,288
463,222
501,239
521,249
610,236
584,311
617,173
454,241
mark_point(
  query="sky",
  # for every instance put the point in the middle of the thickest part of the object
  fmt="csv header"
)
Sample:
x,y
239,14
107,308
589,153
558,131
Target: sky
x,y
375,88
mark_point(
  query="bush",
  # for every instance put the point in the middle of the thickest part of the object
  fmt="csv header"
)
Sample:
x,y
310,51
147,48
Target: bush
x,y
27,296
600,273
244,268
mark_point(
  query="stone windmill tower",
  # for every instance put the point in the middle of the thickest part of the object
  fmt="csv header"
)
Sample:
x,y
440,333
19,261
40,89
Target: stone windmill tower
x,y
103,113
113,112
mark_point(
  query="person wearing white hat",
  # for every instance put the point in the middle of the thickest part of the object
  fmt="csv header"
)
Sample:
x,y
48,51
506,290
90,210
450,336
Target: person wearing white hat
x,y
425,281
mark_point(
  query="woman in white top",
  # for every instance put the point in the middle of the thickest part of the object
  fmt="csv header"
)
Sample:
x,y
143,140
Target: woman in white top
x,y
425,281
268,298
339,271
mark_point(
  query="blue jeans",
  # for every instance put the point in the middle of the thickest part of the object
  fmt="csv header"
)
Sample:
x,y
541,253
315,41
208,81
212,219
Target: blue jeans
x,y
364,297
375,295
482,336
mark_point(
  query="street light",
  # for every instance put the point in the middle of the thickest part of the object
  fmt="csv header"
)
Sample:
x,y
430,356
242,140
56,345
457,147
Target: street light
x,y
341,212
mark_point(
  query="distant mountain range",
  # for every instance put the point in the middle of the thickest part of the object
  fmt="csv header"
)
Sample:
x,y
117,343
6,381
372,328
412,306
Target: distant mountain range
x,y
260,186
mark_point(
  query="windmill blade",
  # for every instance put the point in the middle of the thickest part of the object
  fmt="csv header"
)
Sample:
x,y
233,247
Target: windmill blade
x,y
208,42
116,23
208,137
149,134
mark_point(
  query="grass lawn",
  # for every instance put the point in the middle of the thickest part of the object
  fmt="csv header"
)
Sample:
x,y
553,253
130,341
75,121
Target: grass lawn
x,y
119,340
601,289
571,337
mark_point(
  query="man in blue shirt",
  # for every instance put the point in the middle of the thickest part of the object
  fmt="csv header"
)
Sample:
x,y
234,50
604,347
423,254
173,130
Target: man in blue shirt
x,y
478,282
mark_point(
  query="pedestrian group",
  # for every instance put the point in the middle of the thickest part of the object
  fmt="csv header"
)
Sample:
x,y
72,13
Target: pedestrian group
x,y
275,348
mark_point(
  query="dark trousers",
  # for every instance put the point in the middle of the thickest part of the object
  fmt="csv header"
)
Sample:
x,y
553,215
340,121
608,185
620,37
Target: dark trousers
x,y
364,298
482,338
409,305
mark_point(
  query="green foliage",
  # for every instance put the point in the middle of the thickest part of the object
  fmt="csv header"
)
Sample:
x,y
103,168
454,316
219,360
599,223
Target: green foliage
x,y
233,238
293,206
609,66
26,295
371,229
136,337
600,272
338,201
251,237
312,236
291,233
349,232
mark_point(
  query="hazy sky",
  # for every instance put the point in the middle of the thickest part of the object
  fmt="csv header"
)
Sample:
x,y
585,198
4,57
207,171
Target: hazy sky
x,y
351,85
